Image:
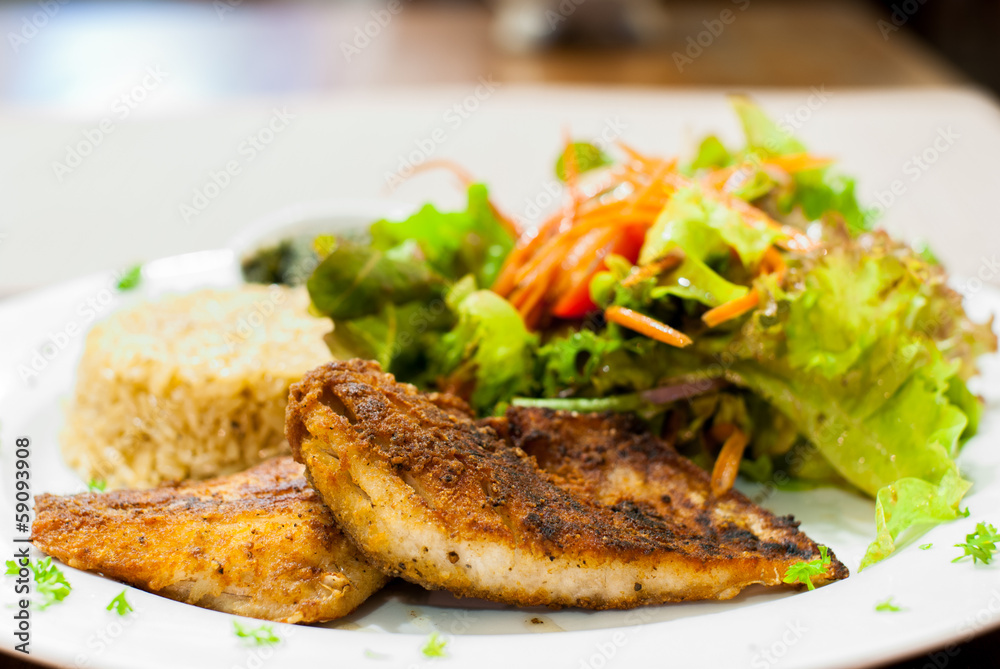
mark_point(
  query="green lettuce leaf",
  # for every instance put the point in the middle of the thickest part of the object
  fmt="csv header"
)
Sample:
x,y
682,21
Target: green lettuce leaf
x,y
818,192
712,154
870,440
851,356
764,136
911,504
398,337
567,364
587,156
702,227
357,280
704,230
489,349
815,193
453,244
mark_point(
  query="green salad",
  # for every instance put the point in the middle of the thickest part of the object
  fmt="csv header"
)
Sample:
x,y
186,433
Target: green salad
x,y
740,301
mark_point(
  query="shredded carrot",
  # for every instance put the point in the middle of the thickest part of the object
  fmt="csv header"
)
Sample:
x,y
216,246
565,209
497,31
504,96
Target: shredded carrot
x,y
509,224
794,241
772,263
552,261
647,326
466,179
644,195
527,244
731,309
587,253
653,269
541,266
717,179
721,431
727,465
532,296
635,155
460,172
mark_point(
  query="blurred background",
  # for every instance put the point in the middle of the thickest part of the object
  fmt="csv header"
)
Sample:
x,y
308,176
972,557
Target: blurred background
x,y
180,84
72,55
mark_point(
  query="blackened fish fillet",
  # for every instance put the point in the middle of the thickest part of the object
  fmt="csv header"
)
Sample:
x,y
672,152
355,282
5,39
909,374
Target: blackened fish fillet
x,y
259,543
539,508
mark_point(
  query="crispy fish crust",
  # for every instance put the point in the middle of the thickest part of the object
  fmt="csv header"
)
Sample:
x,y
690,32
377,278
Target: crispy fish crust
x,y
259,543
602,516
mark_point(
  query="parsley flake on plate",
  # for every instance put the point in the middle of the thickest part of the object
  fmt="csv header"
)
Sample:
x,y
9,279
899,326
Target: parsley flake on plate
x,y
50,583
97,485
435,646
120,605
980,545
130,278
259,636
887,605
803,572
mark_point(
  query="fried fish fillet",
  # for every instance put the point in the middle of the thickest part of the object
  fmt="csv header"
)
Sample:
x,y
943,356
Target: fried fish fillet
x,y
602,516
259,543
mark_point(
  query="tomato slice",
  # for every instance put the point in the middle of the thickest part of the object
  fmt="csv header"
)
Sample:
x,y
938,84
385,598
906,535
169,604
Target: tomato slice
x,y
575,302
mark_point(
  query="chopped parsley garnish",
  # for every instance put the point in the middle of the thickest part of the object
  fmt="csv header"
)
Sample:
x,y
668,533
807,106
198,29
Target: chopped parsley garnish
x,y
887,605
435,646
803,572
259,636
120,605
980,545
925,547
130,279
97,485
50,583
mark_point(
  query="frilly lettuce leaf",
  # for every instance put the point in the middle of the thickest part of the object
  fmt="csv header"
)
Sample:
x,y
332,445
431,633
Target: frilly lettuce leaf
x,y
566,364
397,337
711,154
763,135
702,227
453,244
869,439
910,504
489,349
356,280
866,355
821,192
402,300
815,193
704,231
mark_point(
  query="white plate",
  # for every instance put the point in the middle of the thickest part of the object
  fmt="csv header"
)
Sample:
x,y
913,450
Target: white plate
x,y
835,626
